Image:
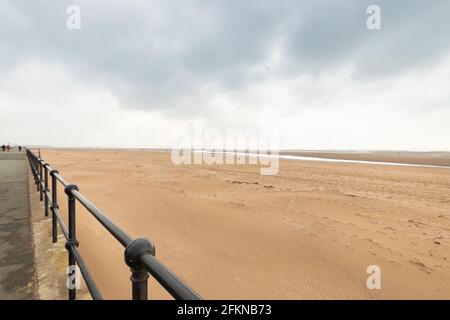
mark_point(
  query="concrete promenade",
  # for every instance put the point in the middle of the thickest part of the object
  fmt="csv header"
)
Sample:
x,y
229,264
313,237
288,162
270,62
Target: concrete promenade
x,y
17,269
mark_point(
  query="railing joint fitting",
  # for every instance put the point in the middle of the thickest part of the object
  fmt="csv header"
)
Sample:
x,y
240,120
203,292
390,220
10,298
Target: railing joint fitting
x,y
135,250
72,243
69,188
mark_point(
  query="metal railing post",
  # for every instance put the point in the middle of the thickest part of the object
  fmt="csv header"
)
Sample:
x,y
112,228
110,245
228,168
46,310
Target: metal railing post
x,y
31,162
71,242
36,165
46,188
40,181
54,206
139,275
36,170
35,173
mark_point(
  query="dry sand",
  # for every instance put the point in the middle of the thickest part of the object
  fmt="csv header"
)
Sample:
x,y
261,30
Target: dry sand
x,y
309,232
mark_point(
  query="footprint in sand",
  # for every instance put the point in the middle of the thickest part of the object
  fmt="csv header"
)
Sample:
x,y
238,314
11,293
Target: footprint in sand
x,y
421,266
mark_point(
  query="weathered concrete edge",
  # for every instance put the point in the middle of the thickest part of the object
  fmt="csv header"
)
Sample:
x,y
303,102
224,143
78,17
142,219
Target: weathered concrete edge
x,y
49,274
30,223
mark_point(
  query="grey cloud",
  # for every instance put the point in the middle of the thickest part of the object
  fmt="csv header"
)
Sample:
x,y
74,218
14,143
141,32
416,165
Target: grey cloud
x,y
160,54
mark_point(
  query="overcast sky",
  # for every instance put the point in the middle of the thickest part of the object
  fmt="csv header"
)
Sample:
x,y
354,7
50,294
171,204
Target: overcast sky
x,y
137,71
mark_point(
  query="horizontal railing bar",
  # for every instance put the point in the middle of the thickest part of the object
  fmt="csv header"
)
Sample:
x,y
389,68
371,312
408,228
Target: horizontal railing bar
x,y
92,287
114,230
49,197
57,175
59,218
174,285
64,229
61,179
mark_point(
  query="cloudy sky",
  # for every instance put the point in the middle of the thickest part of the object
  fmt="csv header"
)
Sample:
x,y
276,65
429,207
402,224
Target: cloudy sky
x,y
135,73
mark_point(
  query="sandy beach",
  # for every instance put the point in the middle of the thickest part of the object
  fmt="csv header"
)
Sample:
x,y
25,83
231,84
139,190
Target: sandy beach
x,y
309,232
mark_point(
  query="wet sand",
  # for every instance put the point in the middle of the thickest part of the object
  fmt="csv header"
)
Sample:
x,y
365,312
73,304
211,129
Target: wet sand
x,y
309,232
437,158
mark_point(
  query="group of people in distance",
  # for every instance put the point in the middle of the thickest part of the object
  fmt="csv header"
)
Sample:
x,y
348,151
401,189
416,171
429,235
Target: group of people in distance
x,y
8,148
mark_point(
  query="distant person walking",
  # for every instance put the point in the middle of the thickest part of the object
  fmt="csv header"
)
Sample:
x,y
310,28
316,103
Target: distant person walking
x,y
20,148
8,148
3,148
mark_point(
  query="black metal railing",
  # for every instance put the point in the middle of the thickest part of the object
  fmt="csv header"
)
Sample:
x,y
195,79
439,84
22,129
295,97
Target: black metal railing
x,y
139,253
